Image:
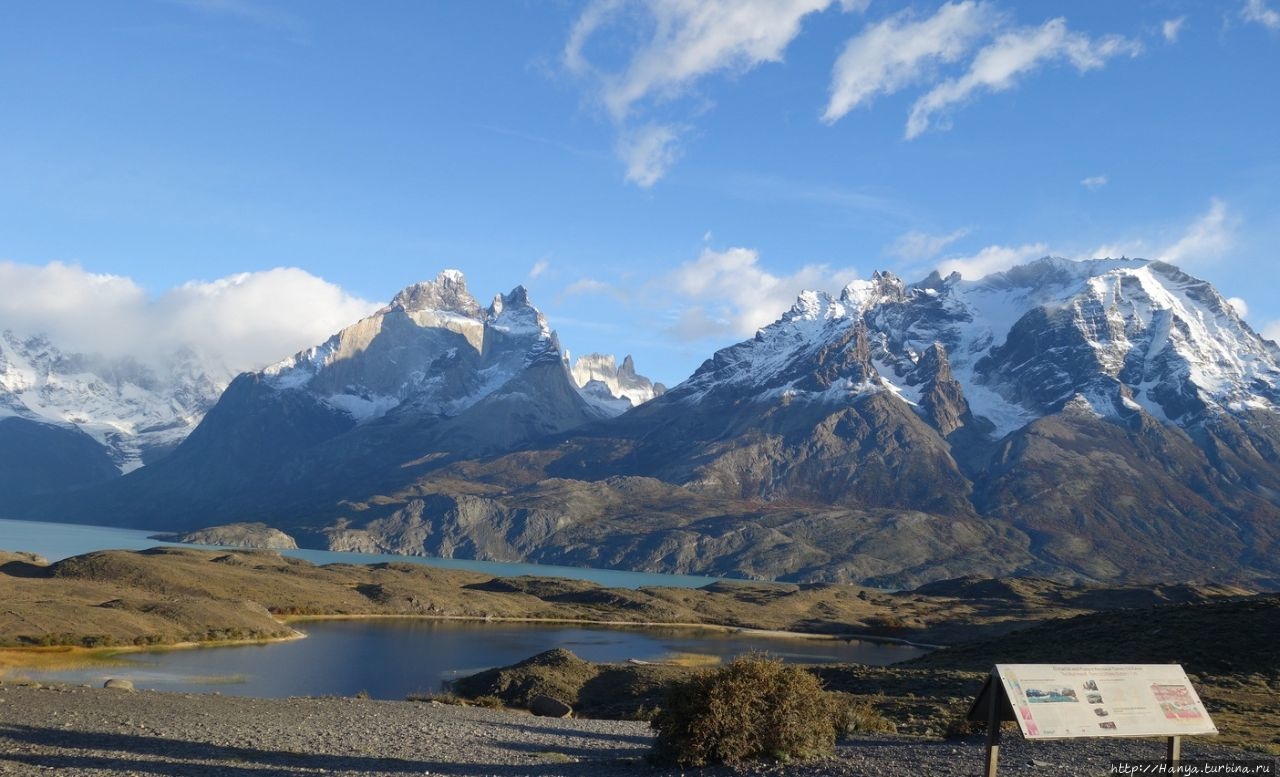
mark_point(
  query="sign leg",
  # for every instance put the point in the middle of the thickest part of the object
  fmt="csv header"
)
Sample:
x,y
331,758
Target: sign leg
x,y
993,728
1174,754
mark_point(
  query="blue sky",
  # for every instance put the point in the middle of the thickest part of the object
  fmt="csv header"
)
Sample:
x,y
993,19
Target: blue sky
x,y
663,176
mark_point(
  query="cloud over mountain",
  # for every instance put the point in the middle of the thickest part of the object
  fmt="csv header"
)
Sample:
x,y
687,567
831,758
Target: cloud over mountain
x,y
240,322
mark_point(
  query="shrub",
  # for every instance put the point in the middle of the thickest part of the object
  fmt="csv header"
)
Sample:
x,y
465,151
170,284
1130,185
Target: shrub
x,y
755,707
852,715
491,702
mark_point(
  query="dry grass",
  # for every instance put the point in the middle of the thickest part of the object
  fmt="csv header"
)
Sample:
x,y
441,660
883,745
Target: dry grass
x,y
53,658
691,660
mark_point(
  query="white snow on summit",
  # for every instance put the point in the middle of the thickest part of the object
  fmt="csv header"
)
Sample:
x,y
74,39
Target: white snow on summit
x,y
433,346
1120,334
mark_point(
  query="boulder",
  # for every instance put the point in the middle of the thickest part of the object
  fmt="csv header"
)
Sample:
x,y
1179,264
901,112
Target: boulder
x,y
120,685
547,707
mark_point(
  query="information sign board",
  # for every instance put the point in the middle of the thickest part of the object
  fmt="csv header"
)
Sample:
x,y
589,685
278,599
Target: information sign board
x,y
1057,701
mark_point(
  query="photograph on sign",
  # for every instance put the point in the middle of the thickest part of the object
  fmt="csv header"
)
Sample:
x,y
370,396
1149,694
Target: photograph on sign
x,y
1053,701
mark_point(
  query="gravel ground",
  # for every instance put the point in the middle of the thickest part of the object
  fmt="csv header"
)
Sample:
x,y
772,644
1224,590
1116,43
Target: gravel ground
x,y
78,732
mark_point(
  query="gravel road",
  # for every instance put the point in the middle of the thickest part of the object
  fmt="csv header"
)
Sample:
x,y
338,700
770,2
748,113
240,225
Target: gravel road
x,y
83,732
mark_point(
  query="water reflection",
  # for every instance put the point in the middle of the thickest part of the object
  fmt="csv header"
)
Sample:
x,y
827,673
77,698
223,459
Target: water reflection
x,y
389,659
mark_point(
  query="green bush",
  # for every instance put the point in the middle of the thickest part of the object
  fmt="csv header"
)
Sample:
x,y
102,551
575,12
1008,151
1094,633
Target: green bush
x,y
755,707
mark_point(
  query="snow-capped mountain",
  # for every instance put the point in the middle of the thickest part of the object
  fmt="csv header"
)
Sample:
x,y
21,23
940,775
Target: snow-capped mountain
x,y
431,376
435,348
1116,336
1103,420
617,387
135,411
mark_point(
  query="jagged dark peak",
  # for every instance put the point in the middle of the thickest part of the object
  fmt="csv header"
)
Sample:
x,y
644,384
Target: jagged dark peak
x,y
933,363
942,397
846,357
934,283
512,314
447,293
516,298
628,368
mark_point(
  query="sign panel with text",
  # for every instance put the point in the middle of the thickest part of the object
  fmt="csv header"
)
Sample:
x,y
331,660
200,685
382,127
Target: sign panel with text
x,y
1054,701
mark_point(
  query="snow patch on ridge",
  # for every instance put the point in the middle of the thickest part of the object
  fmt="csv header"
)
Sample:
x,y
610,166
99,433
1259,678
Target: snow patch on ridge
x,y
127,407
1120,335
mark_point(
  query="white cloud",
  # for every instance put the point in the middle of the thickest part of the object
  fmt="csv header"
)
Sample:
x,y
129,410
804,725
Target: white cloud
x,y
687,40
1210,237
731,294
918,246
1172,28
587,286
649,152
670,46
539,267
998,66
240,322
1241,307
992,259
1258,12
1272,331
899,51
1094,182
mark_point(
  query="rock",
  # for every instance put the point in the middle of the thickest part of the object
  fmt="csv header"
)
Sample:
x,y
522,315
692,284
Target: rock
x,y
120,685
241,535
547,707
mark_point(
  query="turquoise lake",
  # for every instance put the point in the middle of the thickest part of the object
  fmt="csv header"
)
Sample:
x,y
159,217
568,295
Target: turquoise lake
x,y
57,541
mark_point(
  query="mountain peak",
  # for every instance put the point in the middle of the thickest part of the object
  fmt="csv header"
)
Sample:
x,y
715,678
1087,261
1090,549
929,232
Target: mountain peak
x,y
883,286
1049,271
601,380
813,306
447,293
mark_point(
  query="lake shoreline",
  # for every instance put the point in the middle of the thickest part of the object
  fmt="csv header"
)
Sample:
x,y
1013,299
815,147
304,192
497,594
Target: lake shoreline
x,y
40,657
717,627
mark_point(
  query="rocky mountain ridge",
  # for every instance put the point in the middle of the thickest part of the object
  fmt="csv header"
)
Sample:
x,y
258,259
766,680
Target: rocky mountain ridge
x,y
135,410
1109,420
72,419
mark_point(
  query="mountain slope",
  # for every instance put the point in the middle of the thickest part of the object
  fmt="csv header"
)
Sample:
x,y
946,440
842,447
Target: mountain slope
x,y
1110,420
132,412
1107,420
431,375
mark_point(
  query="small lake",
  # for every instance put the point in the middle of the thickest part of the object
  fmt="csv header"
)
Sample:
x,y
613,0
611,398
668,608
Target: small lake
x,y
392,658
56,541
